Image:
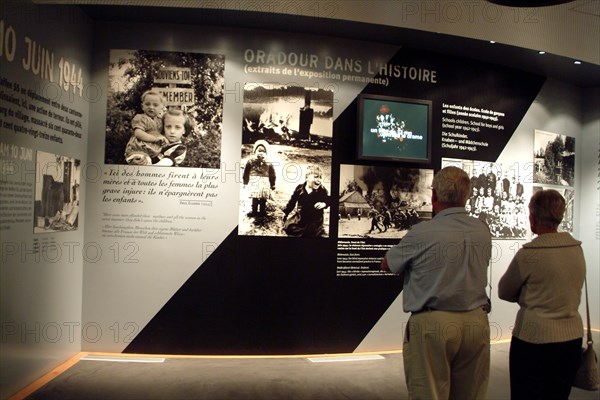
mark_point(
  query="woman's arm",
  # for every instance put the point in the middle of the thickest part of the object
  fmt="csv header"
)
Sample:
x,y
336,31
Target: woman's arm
x,y
509,287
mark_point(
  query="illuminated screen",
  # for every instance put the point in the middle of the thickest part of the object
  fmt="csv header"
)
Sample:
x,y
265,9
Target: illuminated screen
x,y
394,128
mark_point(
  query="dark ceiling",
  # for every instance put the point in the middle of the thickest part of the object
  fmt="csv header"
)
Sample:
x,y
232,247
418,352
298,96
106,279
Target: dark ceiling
x,y
561,68
529,3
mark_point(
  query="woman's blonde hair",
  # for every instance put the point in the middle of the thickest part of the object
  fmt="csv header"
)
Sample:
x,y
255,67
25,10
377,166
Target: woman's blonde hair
x,y
548,208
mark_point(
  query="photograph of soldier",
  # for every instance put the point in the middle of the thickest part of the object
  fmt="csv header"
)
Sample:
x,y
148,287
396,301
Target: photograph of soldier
x,y
497,196
376,220
554,159
290,129
382,202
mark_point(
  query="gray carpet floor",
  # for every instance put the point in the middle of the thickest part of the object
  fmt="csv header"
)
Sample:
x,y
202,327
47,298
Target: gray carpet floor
x,y
258,378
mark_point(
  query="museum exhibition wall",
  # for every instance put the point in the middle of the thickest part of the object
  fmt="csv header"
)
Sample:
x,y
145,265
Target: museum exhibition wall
x,y
192,241
44,84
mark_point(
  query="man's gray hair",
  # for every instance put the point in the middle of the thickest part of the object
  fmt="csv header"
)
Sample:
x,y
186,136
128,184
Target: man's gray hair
x,y
548,208
452,186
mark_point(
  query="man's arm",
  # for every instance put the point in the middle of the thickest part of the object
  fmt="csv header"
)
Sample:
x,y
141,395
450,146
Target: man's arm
x,y
386,267
400,257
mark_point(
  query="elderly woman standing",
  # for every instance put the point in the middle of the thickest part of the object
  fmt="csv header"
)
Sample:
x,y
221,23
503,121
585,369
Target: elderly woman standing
x,y
545,278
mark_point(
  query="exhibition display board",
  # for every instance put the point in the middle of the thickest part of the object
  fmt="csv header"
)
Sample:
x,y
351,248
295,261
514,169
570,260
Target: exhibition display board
x,y
199,190
249,255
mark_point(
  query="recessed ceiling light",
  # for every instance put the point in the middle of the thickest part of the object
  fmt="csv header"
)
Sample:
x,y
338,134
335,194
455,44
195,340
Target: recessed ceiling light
x,y
541,52
492,41
576,62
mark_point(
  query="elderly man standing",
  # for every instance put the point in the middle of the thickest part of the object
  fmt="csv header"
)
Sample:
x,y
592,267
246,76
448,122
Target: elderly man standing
x,y
444,263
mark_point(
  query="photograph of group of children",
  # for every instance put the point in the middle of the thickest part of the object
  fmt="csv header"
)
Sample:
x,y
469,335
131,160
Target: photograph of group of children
x,y
497,196
164,109
285,161
382,202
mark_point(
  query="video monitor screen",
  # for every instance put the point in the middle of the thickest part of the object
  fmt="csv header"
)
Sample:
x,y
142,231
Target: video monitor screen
x,y
394,128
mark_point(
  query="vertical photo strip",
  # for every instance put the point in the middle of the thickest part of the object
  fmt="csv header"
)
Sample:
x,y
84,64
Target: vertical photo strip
x,y
554,168
566,224
164,109
286,158
554,159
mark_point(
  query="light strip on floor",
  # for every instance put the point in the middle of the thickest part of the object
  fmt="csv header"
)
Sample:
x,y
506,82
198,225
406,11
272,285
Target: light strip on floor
x,y
123,359
346,358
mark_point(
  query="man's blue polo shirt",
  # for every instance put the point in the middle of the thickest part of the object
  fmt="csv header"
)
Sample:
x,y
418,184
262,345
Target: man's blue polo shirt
x,y
444,262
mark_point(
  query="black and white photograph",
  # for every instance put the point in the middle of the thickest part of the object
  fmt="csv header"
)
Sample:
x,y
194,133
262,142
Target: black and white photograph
x,y
164,109
382,202
497,196
286,161
554,159
56,207
566,224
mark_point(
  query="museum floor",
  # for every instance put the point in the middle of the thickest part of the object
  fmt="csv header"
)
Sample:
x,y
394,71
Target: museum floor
x,y
252,378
